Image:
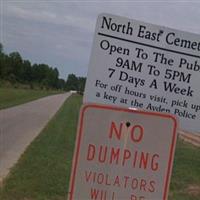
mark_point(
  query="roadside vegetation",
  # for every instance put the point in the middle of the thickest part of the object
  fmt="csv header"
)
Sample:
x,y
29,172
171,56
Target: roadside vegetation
x,y
11,96
185,183
21,81
43,171
17,71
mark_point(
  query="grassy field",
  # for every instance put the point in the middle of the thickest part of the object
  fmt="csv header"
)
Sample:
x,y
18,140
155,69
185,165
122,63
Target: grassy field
x,y
185,182
43,171
12,96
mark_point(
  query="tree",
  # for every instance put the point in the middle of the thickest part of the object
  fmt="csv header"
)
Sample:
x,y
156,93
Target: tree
x,y
16,65
26,73
71,83
1,60
6,69
1,48
81,84
52,77
14,69
61,84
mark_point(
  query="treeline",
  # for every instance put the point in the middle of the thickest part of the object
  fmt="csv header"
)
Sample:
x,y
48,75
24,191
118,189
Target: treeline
x,y
16,70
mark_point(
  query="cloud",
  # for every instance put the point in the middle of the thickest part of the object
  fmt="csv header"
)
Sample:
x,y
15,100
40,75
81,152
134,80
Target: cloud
x,y
61,32
40,15
37,15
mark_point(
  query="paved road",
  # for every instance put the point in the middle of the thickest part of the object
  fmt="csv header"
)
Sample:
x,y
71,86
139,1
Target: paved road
x,y
21,124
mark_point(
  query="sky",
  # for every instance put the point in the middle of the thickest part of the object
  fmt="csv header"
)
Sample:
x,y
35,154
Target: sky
x,y
60,32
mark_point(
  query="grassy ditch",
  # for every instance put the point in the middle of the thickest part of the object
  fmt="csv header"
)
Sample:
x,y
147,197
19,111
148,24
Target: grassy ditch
x,y
13,96
43,171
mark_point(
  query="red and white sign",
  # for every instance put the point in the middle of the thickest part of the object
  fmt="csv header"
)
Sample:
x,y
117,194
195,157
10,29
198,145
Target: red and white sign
x,y
122,154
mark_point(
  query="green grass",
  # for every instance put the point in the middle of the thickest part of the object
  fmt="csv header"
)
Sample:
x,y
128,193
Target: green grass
x,y
186,172
43,171
12,96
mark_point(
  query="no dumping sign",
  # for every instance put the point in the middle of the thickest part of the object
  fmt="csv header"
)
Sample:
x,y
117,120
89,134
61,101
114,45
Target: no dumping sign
x,y
122,154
